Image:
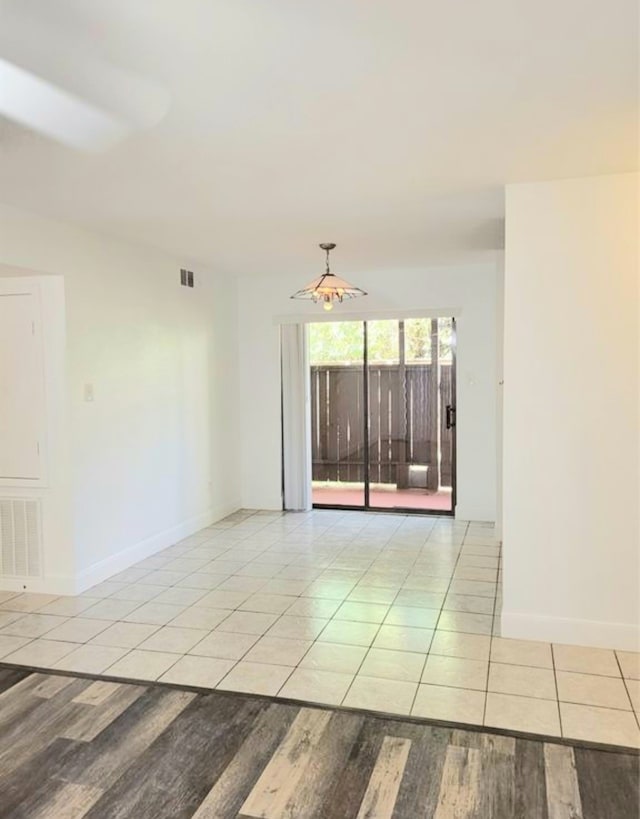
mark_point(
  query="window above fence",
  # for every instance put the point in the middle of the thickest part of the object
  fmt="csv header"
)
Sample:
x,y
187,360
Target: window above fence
x,y
390,342
340,342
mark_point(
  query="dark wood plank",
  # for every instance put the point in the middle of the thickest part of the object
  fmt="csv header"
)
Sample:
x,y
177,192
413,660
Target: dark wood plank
x,y
172,777
37,728
433,398
26,792
94,718
382,408
609,784
351,782
10,676
403,421
101,762
180,754
32,685
351,426
420,785
16,703
497,772
323,424
68,802
93,766
446,435
496,797
529,780
226,797
48,685
26,696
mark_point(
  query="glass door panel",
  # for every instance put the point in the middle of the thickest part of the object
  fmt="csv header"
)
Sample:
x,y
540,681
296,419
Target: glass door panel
x,y
387,411
338,432
410,382
383,414
447,382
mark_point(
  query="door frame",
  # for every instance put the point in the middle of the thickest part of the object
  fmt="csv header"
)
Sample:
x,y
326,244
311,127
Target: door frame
x,y
366,507
454,401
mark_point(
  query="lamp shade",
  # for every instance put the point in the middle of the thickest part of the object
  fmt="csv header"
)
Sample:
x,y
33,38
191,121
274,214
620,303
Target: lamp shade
x,y
328,288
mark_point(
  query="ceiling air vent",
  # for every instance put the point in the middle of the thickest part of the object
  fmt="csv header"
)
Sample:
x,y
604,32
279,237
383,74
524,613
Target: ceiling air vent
x,y
20,541
186,277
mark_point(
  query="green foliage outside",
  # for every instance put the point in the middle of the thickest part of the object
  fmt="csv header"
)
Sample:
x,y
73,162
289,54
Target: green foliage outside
x,y
341,342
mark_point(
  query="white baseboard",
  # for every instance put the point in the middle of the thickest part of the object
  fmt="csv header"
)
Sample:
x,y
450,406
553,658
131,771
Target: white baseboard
x,y
51,584
146,548
623,636
468,513
267,502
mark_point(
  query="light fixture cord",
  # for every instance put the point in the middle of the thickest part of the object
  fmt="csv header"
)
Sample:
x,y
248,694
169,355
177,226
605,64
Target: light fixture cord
x,y
328,271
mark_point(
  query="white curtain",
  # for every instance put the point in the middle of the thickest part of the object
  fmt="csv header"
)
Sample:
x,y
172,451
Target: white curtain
x,y
296,417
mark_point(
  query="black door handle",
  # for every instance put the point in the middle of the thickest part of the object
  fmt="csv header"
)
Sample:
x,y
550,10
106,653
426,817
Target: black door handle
x,y
451,416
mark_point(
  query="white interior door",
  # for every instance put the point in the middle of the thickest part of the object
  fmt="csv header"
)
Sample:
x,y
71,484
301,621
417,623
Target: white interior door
x,y
21,386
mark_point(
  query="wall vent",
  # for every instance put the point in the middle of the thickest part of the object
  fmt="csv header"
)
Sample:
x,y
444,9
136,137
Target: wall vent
x,y
186,277
20,537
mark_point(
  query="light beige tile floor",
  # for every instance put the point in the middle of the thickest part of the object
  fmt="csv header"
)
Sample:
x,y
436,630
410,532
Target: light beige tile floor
x,y
380,611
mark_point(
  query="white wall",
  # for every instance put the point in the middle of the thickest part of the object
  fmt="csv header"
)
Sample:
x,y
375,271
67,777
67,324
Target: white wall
x,y
153,457
499,393
52,489
571,485
468,291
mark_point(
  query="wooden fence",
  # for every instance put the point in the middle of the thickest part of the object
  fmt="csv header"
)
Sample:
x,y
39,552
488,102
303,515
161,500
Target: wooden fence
x,y
406,408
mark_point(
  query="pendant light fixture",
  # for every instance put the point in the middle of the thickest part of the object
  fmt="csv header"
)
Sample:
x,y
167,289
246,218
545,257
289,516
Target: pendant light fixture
x,y
328,288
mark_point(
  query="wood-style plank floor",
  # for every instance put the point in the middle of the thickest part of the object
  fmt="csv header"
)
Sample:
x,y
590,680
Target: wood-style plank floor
x,y
74,747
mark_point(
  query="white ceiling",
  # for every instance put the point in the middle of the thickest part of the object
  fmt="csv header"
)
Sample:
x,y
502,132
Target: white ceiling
x,y
388,126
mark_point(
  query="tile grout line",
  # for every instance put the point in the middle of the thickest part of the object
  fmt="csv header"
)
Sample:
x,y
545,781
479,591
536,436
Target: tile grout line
x,y
101,674
555,680
598,745
240,659
285,539
161,625
493,620
626,688
369,647
435,628
299,597
136,608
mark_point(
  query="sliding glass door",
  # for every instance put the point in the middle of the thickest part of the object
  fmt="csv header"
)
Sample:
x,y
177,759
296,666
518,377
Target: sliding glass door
x,y
383,414
338,413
